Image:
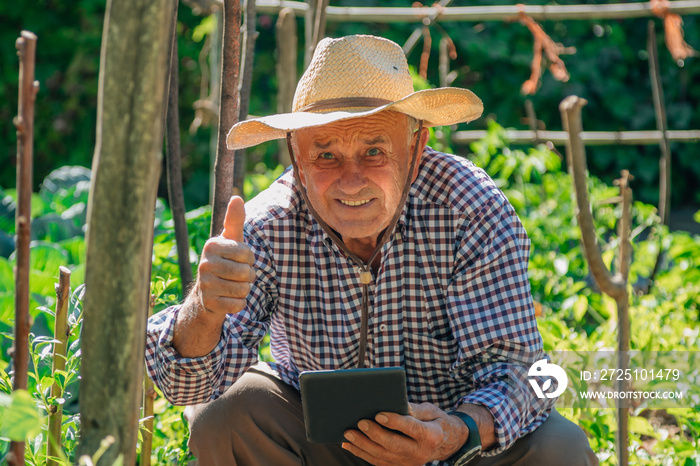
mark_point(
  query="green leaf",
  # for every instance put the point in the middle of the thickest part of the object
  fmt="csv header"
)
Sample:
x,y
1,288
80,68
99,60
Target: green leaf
x,y
7,278
580,307
640,425
47,257
46,382
207,26
21,419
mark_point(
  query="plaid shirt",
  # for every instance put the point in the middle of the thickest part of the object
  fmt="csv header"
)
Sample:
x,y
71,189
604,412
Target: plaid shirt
x,y
451,302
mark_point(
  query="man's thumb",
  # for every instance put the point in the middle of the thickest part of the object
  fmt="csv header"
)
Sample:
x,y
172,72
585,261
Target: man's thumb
x,y
235,217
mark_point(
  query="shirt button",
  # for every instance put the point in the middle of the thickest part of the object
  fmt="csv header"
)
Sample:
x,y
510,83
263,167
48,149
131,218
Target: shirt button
x,y
382,328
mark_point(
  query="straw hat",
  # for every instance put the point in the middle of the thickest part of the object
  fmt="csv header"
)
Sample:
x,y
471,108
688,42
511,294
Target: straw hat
x,y
356,76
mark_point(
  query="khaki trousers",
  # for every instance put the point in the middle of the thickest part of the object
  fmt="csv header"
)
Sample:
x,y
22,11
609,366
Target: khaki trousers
x,y
259,422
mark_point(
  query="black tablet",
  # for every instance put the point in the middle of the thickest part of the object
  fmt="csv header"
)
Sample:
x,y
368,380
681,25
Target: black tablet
x,y
335,401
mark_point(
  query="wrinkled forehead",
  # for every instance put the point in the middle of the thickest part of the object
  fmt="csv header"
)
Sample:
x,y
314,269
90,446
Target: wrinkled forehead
x,y
380,127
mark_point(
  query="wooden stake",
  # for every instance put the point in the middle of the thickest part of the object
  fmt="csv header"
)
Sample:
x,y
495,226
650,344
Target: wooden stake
x,y
657,92
286,71
60,334
174,167
135,57
217,39
443,62
24,122
314,27
250,34
426,21
614,286
532,121
228,113
149,396
309,21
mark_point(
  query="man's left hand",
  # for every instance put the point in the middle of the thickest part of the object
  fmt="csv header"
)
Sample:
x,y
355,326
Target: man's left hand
x,y
426,434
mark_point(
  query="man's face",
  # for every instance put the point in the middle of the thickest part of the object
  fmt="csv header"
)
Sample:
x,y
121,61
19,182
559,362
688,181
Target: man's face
x,y
354,171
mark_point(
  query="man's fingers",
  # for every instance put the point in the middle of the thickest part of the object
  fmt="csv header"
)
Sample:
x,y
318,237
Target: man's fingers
x,y
424,411
380,446
360,453
235,217
224,305
228,260
408,425
216,286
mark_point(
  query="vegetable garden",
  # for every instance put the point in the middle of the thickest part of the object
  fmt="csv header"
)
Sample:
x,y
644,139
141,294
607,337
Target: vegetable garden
x,y
663,285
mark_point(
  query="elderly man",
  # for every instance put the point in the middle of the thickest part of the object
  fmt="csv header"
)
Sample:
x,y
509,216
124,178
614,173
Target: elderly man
x,y
374,251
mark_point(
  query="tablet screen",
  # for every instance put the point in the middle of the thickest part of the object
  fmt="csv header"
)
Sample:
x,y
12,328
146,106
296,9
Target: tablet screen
x,y
335,401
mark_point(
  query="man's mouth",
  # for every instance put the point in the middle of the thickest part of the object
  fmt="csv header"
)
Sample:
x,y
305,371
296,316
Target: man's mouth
x,y
354,203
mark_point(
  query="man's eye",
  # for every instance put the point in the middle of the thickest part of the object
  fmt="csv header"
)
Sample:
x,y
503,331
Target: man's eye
x,y
373,152
326,156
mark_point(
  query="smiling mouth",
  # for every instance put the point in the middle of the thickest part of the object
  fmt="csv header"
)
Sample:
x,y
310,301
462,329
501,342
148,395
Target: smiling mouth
x,y
354,203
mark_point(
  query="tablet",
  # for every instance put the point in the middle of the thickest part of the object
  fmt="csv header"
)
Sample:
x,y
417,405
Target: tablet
x,y
335,401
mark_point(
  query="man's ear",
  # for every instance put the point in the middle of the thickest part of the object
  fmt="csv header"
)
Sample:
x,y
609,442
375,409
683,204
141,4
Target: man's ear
x,y
422,141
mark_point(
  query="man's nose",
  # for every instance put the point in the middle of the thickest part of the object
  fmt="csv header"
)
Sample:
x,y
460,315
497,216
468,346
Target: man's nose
x,y
353,178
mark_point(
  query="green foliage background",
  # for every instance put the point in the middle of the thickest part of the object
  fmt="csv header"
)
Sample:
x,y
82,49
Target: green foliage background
x,y
609,69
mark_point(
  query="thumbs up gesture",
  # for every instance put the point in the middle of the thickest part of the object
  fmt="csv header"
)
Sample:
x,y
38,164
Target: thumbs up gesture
x,y
234,220
225,270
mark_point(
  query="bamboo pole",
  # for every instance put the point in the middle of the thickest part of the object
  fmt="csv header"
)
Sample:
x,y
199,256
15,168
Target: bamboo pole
x,y
149,396
657,93
60,334
614,286
24,123
249,34
174,166
588,138
482,13
228,113
286,71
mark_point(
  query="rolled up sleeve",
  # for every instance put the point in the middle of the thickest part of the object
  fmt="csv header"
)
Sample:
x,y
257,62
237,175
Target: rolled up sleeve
x,y
186,381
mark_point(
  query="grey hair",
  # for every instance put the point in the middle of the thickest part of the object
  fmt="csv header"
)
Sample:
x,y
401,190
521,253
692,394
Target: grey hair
x,y
412,125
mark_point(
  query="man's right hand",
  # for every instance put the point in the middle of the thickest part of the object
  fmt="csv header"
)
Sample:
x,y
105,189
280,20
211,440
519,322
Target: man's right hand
x,y
225,270
224,276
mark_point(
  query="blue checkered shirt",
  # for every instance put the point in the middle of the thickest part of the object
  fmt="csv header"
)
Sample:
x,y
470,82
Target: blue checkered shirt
x,y
450,303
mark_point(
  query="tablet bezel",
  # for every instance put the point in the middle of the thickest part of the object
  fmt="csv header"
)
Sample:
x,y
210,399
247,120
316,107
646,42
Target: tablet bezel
x,y
336,400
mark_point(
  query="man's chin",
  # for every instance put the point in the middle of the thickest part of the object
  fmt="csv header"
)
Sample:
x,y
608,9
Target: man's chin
x,y
358,232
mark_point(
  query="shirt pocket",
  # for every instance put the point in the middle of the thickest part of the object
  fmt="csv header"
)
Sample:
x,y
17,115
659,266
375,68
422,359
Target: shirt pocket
x,y
429,362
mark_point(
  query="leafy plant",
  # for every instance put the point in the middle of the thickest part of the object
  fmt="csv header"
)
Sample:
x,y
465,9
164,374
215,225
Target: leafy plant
x,y
576,317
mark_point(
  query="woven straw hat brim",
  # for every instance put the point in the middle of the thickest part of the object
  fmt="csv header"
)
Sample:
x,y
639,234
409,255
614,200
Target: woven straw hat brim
x,y
436,107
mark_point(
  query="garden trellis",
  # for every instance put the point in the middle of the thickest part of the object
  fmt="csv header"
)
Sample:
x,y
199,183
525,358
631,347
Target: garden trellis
x,y
425,17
